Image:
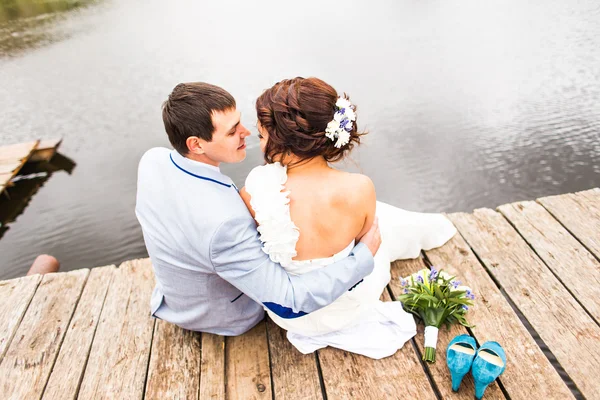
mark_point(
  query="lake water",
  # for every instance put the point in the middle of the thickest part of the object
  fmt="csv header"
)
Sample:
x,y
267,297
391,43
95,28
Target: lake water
x,y
468,103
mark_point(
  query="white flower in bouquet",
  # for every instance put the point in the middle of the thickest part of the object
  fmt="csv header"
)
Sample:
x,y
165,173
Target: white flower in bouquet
x,y
445,275
437,298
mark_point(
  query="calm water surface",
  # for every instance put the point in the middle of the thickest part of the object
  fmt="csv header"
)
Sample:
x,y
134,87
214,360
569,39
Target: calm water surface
x,y
468,104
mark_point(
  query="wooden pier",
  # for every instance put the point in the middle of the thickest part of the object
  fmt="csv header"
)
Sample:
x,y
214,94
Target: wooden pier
x,y
534,267
36,160
14,157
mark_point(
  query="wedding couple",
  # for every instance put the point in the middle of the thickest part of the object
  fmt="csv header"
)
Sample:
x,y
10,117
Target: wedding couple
x,y
301,240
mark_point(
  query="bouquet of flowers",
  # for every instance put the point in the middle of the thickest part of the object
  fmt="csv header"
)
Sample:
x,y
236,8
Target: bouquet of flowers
x,y
437,298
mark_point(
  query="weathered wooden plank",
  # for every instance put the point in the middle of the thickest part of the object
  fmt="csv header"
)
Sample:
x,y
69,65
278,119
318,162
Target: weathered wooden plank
x,y
19,151
45,150
5,181
439,370
25,368
247,368
580,214
569,332
529,373
118,360
72,358
401,376
174,371
10,168
16,294
576,267
5,177
295,375
12,159
212,367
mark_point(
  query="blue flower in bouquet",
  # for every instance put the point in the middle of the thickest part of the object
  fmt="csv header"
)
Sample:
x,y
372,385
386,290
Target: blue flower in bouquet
x,y
433,274
420,279
470,295
466,308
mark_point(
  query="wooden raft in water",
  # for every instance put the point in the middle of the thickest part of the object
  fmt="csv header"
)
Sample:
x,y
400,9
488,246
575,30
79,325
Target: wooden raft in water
x,y
533,266
14,157
24,168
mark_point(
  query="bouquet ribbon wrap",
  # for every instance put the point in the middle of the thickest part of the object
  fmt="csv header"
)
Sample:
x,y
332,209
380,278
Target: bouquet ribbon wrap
x,y
431,336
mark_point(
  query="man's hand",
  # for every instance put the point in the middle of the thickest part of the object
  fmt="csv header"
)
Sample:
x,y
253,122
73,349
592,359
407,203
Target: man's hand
x,y
373,237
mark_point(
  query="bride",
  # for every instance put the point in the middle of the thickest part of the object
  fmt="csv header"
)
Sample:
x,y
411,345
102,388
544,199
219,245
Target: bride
x,y
310,214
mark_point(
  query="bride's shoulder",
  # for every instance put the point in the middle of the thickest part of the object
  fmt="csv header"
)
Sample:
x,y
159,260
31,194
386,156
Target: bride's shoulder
x,y
266,175
354,180
356,186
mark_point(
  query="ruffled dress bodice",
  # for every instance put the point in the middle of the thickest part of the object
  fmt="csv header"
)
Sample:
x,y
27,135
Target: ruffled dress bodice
x,y
271,206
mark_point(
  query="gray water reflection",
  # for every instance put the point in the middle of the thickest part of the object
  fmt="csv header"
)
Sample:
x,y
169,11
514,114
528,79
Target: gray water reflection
x,y
469,104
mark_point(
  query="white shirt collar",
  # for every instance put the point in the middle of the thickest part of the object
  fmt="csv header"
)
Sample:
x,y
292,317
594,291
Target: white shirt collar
x,y
193,163
205,165
199,169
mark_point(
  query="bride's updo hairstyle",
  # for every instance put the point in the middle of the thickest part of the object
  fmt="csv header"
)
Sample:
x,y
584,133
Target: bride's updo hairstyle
x,y
295,113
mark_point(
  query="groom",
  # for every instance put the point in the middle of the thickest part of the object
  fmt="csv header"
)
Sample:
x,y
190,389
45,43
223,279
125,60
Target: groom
x,y
211,273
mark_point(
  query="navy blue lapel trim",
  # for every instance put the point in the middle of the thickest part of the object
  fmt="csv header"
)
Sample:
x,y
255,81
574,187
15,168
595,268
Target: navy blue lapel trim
x,y
197,176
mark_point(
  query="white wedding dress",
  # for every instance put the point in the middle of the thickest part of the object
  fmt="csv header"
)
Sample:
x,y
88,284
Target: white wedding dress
x,y
357,321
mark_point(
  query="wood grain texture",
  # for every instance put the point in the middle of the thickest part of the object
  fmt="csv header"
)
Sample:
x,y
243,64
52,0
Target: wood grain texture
x,y
12,159
16,294
247,367
576,267
529,373
569,332
400,376
212,367
72,358
174,371
295,375
118,360
580,214
439,370
26,367
45,150
10,168
19,151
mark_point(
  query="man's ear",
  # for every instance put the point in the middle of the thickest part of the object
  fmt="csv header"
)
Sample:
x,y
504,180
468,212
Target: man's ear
x,y
195,145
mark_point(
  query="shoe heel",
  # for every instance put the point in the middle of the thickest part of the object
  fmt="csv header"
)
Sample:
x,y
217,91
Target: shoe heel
x,y
456,380
488,365
480,389
459,357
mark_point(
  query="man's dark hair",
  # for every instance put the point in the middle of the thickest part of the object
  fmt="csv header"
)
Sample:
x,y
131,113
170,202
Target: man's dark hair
x,y
188,112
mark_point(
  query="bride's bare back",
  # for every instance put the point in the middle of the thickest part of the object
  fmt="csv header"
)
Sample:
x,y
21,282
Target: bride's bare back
x,y
329,207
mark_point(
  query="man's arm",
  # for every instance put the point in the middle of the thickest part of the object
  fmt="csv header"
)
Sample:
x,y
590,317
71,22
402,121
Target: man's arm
x,y
237,256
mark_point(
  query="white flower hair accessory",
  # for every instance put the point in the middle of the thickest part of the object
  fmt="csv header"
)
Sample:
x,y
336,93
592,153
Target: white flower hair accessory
x,y
340,127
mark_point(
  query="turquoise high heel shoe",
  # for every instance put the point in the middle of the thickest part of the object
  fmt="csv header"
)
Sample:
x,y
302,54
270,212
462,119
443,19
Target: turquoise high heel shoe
x,y
459,357
488,365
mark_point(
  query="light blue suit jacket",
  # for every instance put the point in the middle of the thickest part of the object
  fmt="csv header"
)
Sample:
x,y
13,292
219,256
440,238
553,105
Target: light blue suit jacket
x,y
211,272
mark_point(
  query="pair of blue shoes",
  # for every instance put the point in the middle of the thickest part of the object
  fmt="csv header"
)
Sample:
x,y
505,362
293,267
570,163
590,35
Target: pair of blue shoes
x,y
486,363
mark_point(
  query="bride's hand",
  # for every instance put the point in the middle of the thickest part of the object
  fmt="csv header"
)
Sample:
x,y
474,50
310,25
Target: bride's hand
x,y
373,237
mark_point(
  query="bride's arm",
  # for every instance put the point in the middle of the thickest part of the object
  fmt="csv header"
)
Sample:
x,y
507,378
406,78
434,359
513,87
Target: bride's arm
x,y
246,197
366,202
